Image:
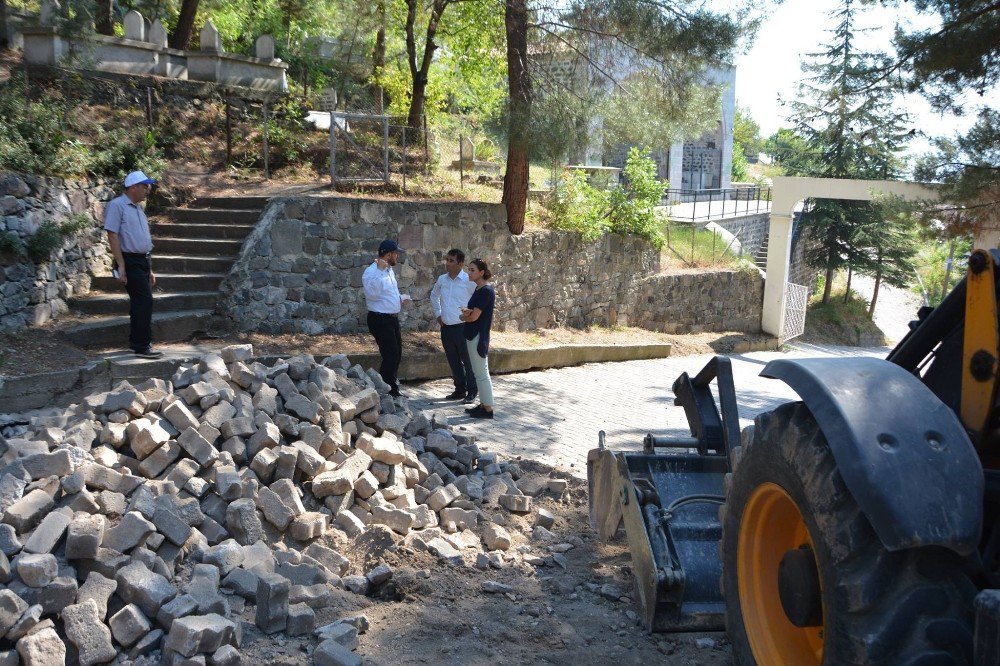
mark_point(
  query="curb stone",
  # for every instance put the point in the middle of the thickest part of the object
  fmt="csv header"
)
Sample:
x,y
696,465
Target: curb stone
x,y
63,387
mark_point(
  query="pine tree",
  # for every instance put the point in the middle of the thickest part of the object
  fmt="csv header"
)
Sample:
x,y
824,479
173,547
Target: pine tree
x,y
845,113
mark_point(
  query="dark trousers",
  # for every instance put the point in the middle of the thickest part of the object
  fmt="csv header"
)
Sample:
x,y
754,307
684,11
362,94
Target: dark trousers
x,y
455,349
140,296
385,329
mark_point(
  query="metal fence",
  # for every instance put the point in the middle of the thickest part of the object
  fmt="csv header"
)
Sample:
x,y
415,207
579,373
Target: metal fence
x,y
367,148
714,204
796,300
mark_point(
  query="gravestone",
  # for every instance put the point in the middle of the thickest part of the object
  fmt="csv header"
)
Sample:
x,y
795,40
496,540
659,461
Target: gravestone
x,y
209,38
467,151
135,27
48,12
158,34
328,100
264,47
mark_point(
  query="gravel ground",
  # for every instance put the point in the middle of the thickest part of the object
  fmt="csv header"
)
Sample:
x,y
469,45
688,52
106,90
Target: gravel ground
x,y
895,307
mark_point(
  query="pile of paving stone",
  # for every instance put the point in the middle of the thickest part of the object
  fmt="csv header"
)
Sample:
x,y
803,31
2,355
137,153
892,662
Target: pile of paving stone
x,y
137,524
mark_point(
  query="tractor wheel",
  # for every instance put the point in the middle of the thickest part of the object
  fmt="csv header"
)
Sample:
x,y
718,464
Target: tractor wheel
x,y
806,579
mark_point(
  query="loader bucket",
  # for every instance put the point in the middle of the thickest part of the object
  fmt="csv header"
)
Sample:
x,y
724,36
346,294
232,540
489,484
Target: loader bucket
x,y
668,496
674,553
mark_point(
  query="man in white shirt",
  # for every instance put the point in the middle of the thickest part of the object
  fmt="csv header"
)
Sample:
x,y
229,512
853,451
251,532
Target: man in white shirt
x,y
450,294
384,302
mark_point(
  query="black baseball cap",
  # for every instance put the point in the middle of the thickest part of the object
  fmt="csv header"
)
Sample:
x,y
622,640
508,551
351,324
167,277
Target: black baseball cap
x,y
387,246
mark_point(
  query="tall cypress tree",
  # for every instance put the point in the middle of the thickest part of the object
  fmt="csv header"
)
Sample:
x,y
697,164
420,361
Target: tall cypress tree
x,y
845,112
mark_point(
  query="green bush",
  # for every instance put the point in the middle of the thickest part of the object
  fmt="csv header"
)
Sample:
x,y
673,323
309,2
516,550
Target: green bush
x,y
42,242
34,138
10,243
627,209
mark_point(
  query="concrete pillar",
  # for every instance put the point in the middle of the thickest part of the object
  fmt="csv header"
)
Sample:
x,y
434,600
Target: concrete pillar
x,y
779,254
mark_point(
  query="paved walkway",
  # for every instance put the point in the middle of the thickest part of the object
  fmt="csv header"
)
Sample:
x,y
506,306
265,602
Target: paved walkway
x,y
553,416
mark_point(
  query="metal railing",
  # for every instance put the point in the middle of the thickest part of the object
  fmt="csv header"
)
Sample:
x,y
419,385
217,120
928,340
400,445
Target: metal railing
x,y
715,204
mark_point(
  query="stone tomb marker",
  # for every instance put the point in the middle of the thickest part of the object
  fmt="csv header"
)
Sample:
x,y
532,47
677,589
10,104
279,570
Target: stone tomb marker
x,y
209,38
158,34
135,27
328,100
467,150
48,12
264,47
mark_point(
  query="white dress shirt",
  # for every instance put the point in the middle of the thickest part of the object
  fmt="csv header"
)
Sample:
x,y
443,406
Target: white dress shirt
x,y
449,296
381,290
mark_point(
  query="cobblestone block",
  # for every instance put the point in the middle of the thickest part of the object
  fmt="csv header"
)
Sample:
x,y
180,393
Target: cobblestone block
x,y
129,625
86,631
272,603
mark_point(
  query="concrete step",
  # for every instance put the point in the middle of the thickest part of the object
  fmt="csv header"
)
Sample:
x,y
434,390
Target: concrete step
x,y
202,230
167,327
168,282
116,304
185,263
196,247
231,203
217,216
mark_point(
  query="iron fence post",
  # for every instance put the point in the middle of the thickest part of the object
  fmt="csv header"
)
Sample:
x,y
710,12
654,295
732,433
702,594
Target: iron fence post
x,y
333,150
267,166
385,148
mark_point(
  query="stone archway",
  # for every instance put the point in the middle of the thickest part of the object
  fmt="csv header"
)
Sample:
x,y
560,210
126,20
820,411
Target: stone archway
x,y
786,193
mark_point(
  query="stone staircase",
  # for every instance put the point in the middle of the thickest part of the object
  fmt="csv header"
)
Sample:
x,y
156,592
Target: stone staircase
x,y
194,249
761,257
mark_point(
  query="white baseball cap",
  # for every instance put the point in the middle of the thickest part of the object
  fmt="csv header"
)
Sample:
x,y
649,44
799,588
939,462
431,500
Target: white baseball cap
x,y
138,178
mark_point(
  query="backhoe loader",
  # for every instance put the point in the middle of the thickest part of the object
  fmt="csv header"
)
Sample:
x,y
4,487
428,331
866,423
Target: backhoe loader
x,y
858,525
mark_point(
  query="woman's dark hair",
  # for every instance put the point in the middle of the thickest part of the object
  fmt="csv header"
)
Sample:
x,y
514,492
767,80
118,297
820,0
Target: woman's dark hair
x,y
481,265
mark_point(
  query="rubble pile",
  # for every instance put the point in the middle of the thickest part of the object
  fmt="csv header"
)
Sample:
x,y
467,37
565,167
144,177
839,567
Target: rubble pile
x,y
137,525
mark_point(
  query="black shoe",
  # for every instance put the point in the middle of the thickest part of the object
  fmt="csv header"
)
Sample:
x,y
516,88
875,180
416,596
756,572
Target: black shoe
x,y
480,413
469,399
469,410
148,352
455,395
396,394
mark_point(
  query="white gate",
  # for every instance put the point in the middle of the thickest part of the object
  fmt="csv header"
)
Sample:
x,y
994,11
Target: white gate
x,y
796,298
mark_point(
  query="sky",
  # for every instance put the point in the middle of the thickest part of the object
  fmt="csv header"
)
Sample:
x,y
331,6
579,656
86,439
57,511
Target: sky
x,y
771,68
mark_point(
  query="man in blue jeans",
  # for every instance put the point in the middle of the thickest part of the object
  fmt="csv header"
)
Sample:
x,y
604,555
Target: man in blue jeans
x,y
450,294
131,245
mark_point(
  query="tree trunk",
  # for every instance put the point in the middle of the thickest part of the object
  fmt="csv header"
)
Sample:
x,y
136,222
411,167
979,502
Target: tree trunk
x,y
104,17
878,281
419,74
515,181
828,286
378,54
847,292
3,24
181,35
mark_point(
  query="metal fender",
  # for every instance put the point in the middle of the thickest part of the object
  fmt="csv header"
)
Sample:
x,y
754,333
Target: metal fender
x,y
902,453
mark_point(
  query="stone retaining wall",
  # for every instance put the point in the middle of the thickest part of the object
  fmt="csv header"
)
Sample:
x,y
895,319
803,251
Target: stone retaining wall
x,y
300,271
751,230
30,293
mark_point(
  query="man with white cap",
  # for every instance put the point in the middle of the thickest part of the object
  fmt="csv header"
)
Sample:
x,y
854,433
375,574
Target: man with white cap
x,y
131,245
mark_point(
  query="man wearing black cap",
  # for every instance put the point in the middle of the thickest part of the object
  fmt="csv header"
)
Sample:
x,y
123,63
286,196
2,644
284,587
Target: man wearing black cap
x,y
384,302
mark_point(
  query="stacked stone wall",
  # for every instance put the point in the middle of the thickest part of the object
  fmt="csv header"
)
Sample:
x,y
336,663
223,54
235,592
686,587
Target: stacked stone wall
x,y
30,293
300,271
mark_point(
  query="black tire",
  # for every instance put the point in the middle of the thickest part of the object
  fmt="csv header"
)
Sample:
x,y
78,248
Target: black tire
x,y
909,607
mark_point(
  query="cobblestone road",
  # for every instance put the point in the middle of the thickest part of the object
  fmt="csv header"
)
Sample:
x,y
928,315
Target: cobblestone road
x,y
553,416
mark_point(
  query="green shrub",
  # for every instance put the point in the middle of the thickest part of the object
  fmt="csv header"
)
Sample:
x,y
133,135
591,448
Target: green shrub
x,y
10,243
42,242
627,209
34,139
120,151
